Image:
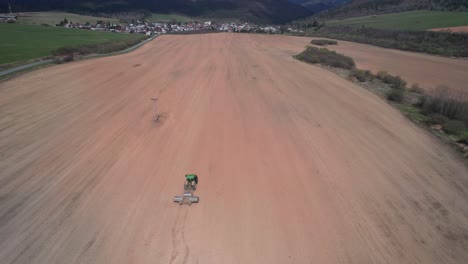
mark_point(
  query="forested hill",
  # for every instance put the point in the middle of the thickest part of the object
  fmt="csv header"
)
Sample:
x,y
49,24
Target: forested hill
x,y
317,6
369,7
265,11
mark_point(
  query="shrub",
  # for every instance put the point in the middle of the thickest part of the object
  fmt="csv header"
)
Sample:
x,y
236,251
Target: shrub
x,y
421,101
464,137
107,47
416,89
64,51
323,42
381,74
325,57
447,102
361,75
396,95
68,58
395,81
454,127
398,83
438,119
463,114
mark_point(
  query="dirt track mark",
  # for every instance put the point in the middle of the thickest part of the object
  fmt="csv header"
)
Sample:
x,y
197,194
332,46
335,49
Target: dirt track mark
x,y
180,248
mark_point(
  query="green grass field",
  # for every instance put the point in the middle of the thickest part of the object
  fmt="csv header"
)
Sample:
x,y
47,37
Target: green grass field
x,y
413,20
20,43
156,17
53,18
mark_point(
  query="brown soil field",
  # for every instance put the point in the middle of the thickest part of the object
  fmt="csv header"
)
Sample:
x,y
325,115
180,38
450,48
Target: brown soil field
x,y
296,164
428,71
461,29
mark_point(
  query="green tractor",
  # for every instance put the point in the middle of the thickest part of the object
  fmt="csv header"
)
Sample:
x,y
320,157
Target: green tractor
x,y
190,185
191,181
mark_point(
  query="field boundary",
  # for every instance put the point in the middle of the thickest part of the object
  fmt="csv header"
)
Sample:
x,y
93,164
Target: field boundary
x,y
388,87
18,70
407,20
127,50
440,43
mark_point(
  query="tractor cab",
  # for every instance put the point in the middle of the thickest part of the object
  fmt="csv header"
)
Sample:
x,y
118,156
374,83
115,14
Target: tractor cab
x,y
191,181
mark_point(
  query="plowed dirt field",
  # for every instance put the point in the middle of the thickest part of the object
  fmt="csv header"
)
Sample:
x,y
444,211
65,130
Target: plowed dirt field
x,y
296,164
428,71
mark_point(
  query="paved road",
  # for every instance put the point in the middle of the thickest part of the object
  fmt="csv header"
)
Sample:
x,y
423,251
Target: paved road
x,y
23,67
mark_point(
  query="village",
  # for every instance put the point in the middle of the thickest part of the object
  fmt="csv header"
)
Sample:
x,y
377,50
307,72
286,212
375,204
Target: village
x,y
156,28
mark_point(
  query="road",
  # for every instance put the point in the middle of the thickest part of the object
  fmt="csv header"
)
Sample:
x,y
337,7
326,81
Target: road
x,y
296,164
428,71
24,67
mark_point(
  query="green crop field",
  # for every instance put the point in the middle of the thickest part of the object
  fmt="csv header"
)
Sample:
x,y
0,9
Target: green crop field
x,y
169,17
53,18
413,20
21,43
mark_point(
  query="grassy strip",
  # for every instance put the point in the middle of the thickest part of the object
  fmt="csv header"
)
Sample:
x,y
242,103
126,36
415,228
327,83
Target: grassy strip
x,y
414,113
107,47
439,43
444,112
323,42
412,20
325,57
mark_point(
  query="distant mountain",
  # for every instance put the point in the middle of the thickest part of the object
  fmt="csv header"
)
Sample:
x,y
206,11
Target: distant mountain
x,y
262,11
318,6
370,7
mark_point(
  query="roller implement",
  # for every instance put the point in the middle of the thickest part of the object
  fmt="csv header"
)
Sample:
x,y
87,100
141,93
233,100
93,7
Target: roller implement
x,y
190,185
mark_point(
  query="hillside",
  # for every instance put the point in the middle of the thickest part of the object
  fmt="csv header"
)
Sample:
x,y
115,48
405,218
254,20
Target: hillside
x,y
261,11
317,6
357,8
411,20
53,18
